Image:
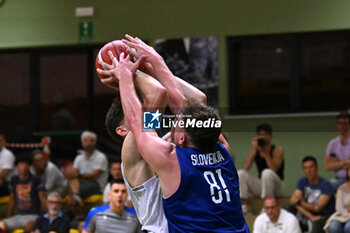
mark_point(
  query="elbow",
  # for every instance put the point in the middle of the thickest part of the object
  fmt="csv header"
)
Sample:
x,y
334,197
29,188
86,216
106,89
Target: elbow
x,y
160,98
162,94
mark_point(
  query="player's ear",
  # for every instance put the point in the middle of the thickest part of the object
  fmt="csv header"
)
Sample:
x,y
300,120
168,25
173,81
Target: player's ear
x,y
182,138
122,131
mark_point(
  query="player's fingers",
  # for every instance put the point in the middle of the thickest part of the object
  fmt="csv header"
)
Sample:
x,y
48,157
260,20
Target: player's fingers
x,y
110,54
130,38
105,65
139,40
103,72
139,60
132,51
113,58
128,57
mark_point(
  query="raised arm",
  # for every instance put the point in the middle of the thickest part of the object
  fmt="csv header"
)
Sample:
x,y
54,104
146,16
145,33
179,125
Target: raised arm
x,y
153,94
156,67
162,160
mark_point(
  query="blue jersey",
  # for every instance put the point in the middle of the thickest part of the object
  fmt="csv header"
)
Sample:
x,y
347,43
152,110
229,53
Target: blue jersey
x,y
207,199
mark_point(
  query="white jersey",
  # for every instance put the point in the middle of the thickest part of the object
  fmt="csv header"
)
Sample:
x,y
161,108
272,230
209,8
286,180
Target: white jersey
x,y
147,201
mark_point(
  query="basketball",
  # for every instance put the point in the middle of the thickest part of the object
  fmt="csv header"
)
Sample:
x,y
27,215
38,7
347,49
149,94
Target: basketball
x,y
116,47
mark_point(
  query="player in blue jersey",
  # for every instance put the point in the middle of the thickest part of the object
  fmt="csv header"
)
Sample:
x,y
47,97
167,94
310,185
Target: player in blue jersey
x,y
198,178
141,181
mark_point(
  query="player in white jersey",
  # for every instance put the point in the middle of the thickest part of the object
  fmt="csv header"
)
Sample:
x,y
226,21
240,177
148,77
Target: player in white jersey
x,y
142,183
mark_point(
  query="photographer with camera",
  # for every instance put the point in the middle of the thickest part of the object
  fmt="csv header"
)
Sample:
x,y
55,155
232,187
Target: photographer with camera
x,y
270,164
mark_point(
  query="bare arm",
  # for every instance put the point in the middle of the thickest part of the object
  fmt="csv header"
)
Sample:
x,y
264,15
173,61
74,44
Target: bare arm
x,y
249,160
296,197
4,173
158,69
91,176
42,198
163,160
224,142
334,164
307,213
153,94
319,206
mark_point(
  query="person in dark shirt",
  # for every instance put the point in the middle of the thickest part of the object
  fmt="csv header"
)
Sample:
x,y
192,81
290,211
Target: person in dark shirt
x,y
54,218
26,197
313,200
269,160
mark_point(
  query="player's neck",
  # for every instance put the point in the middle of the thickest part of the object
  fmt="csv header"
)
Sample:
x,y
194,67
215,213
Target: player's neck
x,y
116,209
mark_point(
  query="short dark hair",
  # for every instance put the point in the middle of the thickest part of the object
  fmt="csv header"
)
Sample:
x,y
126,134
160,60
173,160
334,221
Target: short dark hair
x,y
115,118
37,151
201,137
23,157
343,115
115,160
309,158
117,181
264,127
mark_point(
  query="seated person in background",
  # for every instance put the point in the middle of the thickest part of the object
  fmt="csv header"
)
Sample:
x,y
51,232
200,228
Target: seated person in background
x,y
7,161
54,218
113,217
338,151
342,207
26,197
275,219
270,164
52,178
313,200
116,173
90,170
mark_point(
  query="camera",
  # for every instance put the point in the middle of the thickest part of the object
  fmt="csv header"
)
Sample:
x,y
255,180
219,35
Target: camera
x,y
261,142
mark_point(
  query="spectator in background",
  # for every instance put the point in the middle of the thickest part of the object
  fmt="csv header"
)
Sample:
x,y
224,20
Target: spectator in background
x,y
113,217
338,151
26,198
313,200
52,178
54,218
7,160
275,219
90,170
116,173
340,221
269,160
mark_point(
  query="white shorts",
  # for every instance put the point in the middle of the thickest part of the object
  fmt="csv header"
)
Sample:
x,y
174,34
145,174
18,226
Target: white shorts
x,y
148,204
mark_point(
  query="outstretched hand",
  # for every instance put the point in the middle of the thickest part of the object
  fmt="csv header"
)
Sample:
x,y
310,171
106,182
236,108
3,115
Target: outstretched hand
x,y
109,79
139,49
112,72
125,67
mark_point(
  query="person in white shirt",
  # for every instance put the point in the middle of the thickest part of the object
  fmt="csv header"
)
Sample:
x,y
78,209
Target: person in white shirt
x,y
7,161
89,173
52,178
275,219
